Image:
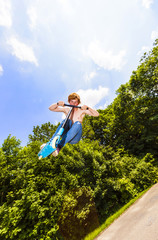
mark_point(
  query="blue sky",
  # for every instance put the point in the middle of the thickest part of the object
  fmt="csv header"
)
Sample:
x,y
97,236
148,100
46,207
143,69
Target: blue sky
x,y
50,48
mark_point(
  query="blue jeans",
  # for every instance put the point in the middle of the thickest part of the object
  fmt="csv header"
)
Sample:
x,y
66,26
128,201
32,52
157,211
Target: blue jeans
x,y
72,133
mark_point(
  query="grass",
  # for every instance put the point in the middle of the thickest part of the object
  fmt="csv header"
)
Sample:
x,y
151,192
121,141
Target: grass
x,y
112,218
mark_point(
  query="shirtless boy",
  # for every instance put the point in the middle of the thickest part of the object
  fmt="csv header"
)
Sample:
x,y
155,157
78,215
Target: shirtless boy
x,y
73,129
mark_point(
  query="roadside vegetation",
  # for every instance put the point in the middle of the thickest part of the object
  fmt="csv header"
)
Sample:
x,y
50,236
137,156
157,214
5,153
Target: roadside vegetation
x,y
112,218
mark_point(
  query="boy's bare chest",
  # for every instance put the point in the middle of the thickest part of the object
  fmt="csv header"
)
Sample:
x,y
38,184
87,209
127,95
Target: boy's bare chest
x,y
76,115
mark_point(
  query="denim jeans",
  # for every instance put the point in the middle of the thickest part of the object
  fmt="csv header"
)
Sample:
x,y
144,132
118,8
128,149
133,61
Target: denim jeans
x,y
72,133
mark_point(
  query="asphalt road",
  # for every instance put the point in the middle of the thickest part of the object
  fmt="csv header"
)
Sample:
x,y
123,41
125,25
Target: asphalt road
x,y
139,222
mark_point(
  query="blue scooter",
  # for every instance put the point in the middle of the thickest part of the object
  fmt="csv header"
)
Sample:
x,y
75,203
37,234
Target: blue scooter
x,y
52,145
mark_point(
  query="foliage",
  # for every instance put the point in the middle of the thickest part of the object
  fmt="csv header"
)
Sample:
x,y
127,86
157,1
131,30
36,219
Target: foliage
x,y
39,199
78,216
43,133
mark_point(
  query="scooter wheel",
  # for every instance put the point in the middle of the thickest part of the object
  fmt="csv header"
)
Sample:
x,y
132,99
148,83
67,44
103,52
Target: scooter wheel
x,y
54,142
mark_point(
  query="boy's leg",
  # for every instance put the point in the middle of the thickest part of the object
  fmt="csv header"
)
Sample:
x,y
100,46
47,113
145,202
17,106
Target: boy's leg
x,y
73,135
57,130
66,129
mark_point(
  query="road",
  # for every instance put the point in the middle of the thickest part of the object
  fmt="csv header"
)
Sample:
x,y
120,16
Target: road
x,y
139,222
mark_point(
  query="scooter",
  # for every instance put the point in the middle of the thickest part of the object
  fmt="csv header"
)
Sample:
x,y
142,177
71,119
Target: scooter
x,y
52,145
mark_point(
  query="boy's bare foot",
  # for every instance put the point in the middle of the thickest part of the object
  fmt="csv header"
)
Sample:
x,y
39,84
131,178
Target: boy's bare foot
x,y
56,152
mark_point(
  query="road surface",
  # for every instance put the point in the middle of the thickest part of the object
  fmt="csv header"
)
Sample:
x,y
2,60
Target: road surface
x,y
139,222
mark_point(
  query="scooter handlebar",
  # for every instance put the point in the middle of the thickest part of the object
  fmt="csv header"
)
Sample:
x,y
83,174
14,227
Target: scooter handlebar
x,y
68,105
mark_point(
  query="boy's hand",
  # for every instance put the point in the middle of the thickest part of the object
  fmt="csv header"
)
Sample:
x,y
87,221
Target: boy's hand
x,y
84,107
61,103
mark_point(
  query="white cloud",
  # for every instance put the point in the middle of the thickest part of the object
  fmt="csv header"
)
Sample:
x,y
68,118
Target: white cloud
x,y
66,7
22,51
32,13
154,35
103,107
89,76
106,59
91,97
147,3
5,13
49,16
1,70
143,50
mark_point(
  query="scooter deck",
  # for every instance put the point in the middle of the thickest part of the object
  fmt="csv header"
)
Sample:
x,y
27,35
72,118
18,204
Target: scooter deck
x,y
46,151
51,146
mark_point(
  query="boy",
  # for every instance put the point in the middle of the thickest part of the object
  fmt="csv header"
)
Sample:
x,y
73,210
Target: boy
x,y
73,129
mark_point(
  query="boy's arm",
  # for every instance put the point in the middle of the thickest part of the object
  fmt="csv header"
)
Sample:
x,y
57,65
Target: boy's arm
x,y
58,107
90,111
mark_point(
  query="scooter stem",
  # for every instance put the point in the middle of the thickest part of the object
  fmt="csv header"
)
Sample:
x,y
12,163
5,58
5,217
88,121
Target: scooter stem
x,y
68,115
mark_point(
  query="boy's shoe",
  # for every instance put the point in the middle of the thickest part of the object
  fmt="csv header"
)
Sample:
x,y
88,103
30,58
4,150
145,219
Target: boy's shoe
x,y
56,152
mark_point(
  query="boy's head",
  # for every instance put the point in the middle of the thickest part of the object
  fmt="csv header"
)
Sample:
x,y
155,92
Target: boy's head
x,y
74,96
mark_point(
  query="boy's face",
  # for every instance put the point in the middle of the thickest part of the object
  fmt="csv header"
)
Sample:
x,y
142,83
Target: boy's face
x,y
74,102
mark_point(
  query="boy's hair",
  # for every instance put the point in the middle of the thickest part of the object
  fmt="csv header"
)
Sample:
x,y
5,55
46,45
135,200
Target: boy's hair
x,y
74,96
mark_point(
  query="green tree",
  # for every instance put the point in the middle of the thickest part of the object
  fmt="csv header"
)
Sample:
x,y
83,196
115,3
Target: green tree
x,y
96,180
131,120
8,165
43,133
78,216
